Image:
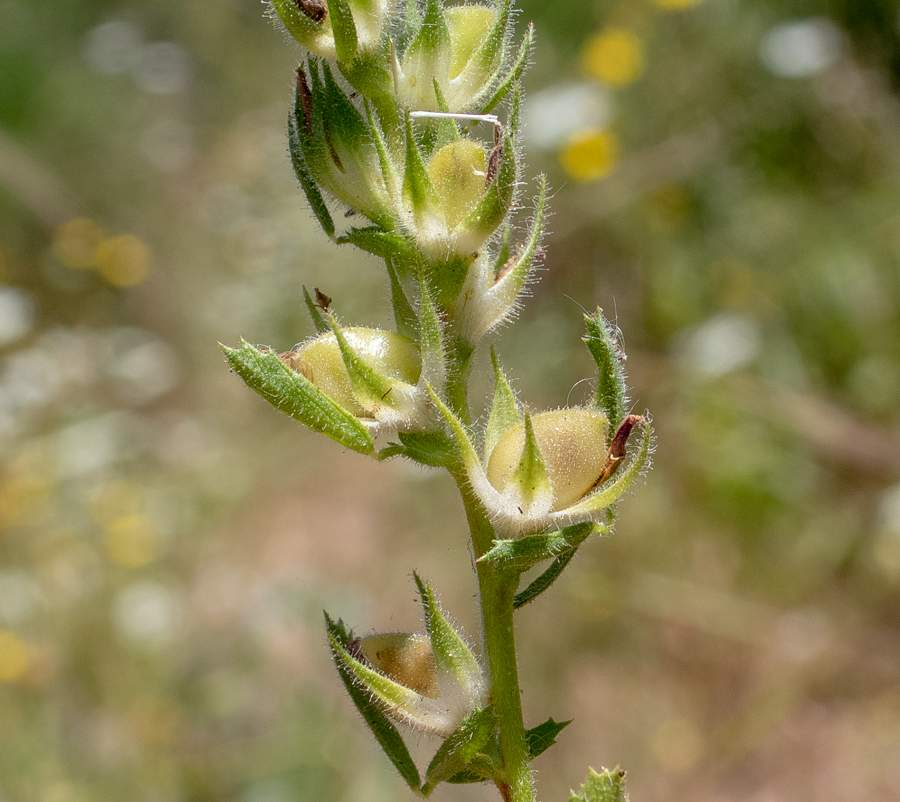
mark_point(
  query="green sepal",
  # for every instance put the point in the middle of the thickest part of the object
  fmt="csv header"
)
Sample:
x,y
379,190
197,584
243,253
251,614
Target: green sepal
x,y
603,344
521,554
460,748
404,314
374,239
433,449
321,325
412,23
345,122
614,490
503,251
479,769
308,184
492,52
381,726
370,387
452,657
504,409
608,786
417,188
431,338
492,208
433,32
344,29
296,396
513,75
539,739
531,476
388,169
447,130
463,442
509,285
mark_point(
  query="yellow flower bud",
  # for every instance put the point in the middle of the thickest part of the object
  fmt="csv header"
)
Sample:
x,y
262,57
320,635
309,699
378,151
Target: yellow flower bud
x,y
573,444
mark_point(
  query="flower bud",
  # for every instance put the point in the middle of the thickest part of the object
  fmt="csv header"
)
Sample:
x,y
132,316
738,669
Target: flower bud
x,y
357,27
572,444
406,658
393,356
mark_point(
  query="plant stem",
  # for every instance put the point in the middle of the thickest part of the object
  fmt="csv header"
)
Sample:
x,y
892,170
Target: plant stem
x,y
497,591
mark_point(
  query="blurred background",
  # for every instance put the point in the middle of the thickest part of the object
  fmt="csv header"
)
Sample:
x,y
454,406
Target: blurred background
x,y
726,186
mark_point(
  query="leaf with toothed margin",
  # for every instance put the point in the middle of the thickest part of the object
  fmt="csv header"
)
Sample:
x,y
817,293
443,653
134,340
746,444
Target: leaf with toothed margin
x,y
433,449
460,748
539,739
614,490
296,396
381,726
452,657
513,75
603,344
521,554
608,786
307,183
504,409
345,40
404,314
321,325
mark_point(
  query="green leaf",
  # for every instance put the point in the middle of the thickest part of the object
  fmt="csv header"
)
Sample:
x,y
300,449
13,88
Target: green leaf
x,y
369,386
460,748
344,28
465,447
515,72
307,183
417,187
434,449
521,554
494,205
319,322
404,314
608,786
296,396
602,341
453,660
431,338
531,476
374,239
382,728
504,409
344,120
545,580
539,739
480,768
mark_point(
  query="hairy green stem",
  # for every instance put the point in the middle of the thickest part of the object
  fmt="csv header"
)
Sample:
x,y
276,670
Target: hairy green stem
x,y
497,591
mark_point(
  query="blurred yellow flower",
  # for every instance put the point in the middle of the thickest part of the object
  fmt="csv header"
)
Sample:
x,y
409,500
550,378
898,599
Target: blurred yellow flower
x,y
123,261
131,541
590,154
13,657
614,56
676,5
75,243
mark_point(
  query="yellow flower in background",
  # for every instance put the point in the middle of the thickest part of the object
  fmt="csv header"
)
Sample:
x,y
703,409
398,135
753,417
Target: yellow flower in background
x,y
13,657
614,56
590,154
677,5
123,261
131,541
75,243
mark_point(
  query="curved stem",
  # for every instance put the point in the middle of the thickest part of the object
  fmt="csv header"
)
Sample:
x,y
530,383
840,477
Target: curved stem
x,y
497,590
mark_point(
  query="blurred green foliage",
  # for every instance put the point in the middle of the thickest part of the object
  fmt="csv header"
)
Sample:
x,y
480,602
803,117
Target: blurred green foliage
x,y
729,194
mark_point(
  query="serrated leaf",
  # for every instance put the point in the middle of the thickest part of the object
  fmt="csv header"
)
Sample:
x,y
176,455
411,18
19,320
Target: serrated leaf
x,y
434,449
460,748
454,662
539,739
307,182
504,409
296,396
319,322
521,554
602,342
608,786
382,728
345,41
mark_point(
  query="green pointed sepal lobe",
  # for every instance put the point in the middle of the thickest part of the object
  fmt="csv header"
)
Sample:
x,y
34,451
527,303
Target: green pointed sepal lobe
x,y
296,396
504,409
523,553
381,726
460,748
607,786
531,477
345,40
603,344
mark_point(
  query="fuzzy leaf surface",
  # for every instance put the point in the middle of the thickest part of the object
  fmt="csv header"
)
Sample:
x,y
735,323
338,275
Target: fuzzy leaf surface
x,y
539,739
608,786
602,343
296,396
460,748
521,554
